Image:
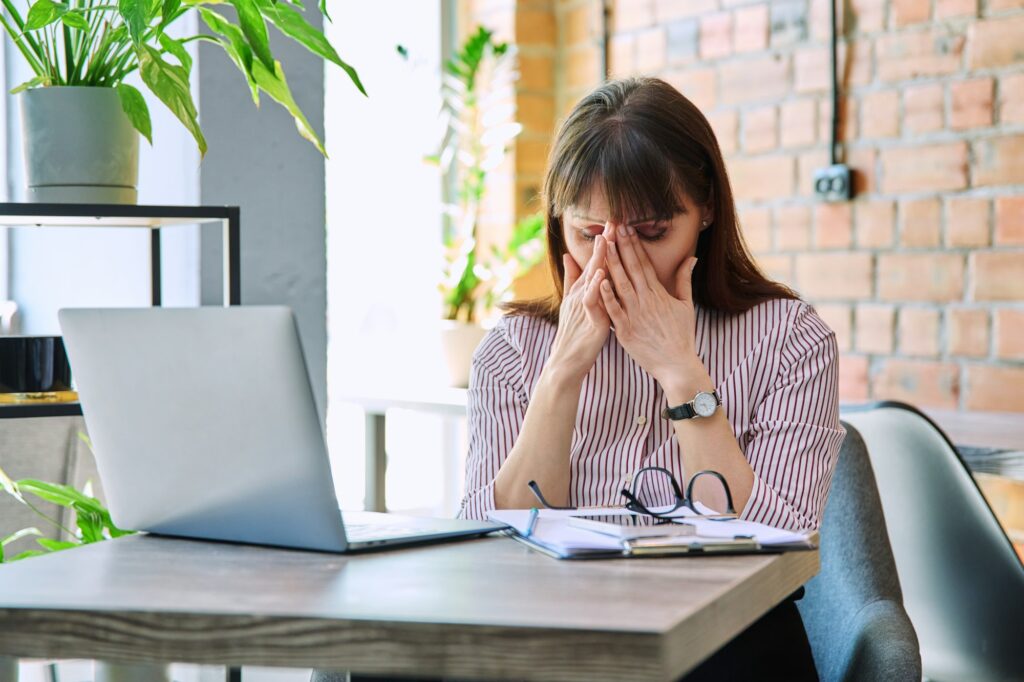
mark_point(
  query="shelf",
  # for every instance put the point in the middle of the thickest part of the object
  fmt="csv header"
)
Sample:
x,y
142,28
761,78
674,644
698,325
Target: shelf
x,y
110,215
28,411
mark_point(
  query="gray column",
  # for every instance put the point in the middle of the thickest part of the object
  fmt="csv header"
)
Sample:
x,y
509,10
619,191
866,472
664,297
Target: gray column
x,y
257,160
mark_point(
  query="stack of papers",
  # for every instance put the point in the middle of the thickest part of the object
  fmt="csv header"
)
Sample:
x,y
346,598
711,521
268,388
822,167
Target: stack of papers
x,y
553,535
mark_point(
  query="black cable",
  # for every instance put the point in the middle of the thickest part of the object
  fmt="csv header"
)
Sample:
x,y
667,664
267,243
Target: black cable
x,y
833,156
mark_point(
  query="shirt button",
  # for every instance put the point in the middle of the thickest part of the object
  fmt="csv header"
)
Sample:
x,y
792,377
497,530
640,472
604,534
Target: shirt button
x,y
641,419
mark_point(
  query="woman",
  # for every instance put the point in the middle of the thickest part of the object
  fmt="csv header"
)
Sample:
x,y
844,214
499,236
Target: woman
x,y
657,304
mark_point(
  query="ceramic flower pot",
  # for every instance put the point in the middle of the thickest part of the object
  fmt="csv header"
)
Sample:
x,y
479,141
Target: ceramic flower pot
x,y
80,146
458,341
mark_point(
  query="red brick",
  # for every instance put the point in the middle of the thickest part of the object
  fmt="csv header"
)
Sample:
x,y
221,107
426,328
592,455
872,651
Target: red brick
x,y
1000,5
833,226
902,56
920,277
907,12
847,121
750,29
820,21
923,108
532,26
807,163
919,331
995,389
920,223
667,10
880,114
1011,98
760,129
813,67
920,383
698,85
798,123
995,43
583,67
1010,334
998,276
999,161
834,276
762,177
922,168
778,268
757,228
875,223
967,332
840,318
629,15
651,50
622,55
946,9
967,222
875,327
868,15
1010,221
750,80
725,124
853,378
863,161
582,23
971,104
793,227
716,35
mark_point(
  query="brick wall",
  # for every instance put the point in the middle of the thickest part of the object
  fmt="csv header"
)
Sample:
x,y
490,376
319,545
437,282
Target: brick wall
x,y
922,274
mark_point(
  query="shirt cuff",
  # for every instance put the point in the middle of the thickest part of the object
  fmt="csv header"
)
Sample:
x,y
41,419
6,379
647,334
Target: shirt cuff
x,y
476,505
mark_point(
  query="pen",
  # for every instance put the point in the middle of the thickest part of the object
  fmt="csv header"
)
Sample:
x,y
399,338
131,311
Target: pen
x,y
532,523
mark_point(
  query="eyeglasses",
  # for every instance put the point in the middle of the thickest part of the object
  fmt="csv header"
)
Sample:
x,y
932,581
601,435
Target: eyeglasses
x,y
653,483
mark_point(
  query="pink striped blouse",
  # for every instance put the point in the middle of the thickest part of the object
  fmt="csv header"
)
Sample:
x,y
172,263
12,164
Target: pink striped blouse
x,y
775,368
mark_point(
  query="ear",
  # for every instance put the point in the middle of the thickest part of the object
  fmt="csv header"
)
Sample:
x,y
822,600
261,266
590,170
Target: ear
x,y
707,220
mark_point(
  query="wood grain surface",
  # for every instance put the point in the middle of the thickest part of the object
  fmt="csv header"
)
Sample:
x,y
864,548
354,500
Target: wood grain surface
x,y
487,608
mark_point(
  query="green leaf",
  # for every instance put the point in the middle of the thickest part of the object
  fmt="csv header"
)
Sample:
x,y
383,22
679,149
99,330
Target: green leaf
x,y
27,554
75,20
17,535
236,47
63,495
10,487
135,107
170,84
43,13
168,9
275,85
255,30
90,524
136,17
294,25
175,48
55,545
323,11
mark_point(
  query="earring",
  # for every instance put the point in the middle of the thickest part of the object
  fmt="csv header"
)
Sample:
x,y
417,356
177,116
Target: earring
x,y
705,223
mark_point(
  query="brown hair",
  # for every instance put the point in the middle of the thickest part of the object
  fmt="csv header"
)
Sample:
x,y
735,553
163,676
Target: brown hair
x,y
644,142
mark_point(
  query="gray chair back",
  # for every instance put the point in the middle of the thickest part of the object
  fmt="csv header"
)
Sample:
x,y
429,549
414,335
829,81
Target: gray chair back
x,y
853,609
963,583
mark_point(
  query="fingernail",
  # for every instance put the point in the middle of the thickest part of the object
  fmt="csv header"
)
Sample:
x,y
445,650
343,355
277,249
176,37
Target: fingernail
x,y
630,231
622,231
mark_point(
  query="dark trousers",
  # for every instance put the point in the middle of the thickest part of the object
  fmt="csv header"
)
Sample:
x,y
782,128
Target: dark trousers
x,y
773,648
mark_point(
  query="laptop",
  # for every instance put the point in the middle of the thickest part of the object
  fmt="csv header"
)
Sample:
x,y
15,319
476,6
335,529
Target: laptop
x,y
204,425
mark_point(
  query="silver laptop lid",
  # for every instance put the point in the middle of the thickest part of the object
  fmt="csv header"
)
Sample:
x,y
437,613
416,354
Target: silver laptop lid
x,y
204,423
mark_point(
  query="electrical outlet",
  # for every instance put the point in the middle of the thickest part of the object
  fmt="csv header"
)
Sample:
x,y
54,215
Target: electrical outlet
x,y
834,183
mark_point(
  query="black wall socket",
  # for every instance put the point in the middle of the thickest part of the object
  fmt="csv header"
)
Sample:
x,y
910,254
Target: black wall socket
x,y
834,183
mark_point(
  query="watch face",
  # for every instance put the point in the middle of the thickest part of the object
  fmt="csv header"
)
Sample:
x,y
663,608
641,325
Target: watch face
x,y
704,404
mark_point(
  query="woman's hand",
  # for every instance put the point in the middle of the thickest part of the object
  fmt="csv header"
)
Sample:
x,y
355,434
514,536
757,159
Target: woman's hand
x,y
583,323
656,327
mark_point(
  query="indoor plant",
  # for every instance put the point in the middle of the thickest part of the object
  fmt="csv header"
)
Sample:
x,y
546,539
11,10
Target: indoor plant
x,y
79,113
477,94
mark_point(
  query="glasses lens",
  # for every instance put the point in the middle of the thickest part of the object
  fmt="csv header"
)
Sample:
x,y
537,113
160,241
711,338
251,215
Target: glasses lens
x,y
653,487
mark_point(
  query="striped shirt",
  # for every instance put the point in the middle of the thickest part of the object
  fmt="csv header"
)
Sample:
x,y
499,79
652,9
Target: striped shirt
x,y
774,367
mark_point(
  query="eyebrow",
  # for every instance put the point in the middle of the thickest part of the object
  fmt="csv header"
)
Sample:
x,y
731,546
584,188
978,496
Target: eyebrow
x,y
601,222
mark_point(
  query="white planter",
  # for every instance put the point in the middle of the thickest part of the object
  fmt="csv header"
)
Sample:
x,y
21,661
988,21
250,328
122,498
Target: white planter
x,y
80,146
108,671
458,341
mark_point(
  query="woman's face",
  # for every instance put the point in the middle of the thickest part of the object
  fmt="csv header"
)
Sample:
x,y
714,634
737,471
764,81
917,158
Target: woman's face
x,y
668,241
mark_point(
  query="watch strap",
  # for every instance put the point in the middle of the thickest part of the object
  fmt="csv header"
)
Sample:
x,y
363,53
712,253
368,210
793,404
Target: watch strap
x,y
684,411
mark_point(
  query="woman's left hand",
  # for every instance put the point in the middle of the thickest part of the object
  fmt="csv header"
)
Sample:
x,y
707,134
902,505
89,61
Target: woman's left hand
x,y
656,327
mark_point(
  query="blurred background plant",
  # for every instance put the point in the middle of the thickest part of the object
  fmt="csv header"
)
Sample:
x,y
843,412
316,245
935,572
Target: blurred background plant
x,y
91,518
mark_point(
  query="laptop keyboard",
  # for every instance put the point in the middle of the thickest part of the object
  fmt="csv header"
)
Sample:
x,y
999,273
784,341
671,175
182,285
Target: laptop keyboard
x,y
361,532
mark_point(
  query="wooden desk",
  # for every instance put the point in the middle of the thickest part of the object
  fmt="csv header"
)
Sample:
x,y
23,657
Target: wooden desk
x,y
487,608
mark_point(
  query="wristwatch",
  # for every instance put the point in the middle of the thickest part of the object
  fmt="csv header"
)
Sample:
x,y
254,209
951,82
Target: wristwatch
x,y
703,404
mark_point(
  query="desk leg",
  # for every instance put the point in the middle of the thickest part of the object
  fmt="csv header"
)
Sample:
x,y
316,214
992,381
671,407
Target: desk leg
x,y
376,463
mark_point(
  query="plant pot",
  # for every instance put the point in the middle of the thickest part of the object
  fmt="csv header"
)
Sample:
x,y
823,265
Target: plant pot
x,y
108,671
458,341
80,146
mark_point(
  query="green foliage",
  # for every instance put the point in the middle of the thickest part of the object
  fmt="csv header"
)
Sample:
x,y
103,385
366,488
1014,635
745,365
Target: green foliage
x,y
99,43
477,107
92,520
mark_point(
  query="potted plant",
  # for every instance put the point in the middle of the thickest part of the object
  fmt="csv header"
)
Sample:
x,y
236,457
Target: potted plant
x,y
80,115
92,524
476,95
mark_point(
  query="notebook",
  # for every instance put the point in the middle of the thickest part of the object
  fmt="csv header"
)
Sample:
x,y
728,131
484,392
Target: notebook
x,y
553,535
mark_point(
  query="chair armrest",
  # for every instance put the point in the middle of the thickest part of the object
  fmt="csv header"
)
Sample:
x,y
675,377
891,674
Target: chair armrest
x,y
884,644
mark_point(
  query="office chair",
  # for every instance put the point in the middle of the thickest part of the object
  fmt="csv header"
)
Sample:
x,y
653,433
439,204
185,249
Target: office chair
x,y
853,609
963,583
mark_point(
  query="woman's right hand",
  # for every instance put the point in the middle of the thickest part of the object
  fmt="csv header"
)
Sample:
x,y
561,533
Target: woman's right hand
x,y
583,322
